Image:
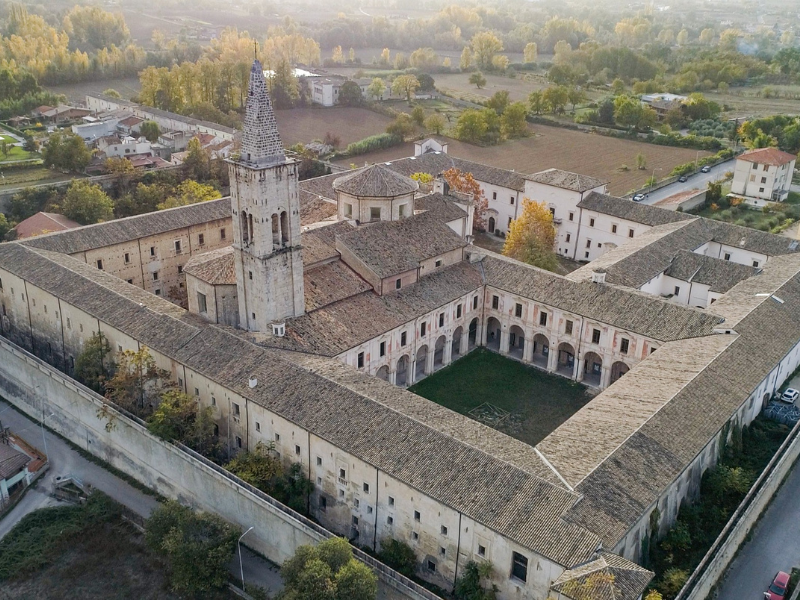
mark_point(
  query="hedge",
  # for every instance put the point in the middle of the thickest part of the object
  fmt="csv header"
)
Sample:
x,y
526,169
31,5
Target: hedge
x,y
372,143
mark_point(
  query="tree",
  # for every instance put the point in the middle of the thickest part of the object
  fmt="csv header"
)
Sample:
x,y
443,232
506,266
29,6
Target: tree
x,y
641,162
30,144
259,467
178,417
402,126
5,227
513,121
190,192
337,56
66,151
138,383
435,123
350,94
466,183
377,88
328,571
605,112
385,57
118,165
87,203
423,179
630,112
485,45
284,87
418,115
197,546
5,148
536,102
94,365
576,95
617,86
477,79
399,556
707,36
530,53
653,595
472,584
426,82
532,236
682,38
111,93
499,101
424,59
197,163
471,126
713,193
405,85
150,131
466,59
555,98
400,61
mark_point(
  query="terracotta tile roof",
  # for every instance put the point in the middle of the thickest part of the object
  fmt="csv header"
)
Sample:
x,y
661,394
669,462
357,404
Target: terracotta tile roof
x,y
43,222
130,228
566,180
768,156
609,577
131,121
330,283
12,461
314,209
375,181
215,267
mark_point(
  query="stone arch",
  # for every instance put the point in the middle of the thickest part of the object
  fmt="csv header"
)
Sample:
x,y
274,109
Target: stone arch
x,y
383,373
566,359
493,333
284,228
516,341
276,231
592,368
401,370
541,350
472,339
618,369
420,362
438,352
455,350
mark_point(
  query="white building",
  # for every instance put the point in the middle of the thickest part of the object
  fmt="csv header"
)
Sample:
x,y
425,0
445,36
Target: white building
x,y
763,175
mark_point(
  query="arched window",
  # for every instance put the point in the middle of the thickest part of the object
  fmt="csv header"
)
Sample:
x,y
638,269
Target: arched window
x,y
284,228
276,231
244,227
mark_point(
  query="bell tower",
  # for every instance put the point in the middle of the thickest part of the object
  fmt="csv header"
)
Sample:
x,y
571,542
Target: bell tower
x,y
265,206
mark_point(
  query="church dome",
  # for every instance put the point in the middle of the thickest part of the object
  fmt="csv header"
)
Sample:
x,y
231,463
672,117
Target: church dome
x,y
376,181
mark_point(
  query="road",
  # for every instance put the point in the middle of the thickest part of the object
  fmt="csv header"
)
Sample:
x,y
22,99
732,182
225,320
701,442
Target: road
x,y
697,181
774,545
65,461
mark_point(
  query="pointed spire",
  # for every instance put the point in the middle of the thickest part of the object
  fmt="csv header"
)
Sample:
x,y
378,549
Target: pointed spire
x,y
261,142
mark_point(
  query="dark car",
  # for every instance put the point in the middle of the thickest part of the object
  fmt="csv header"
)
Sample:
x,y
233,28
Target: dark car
x,y
777,589
683,178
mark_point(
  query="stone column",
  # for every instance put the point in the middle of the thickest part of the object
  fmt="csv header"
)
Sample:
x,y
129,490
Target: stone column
x,y
552,358
464,341
605,376
580,364
411,370
527,350
503,341
429,358
447,355
393,377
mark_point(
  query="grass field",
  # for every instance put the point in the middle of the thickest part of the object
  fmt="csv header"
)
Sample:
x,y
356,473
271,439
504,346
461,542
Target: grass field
x,y
13,178
746,102
586,153
76,92
351,124
537,402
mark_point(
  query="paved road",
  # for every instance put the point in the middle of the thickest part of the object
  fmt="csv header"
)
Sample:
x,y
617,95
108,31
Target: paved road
x,y
697,181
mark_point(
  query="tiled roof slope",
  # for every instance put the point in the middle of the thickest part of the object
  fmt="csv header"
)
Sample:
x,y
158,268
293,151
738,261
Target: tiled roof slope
x,y
627,309
375,181
609,577
330,283
524,502
630,210
720,275
314,209
319,187
215,267
11,461
118,231
566,180
43,222
768,156
434,163
729,368
444,207
393,247
339,326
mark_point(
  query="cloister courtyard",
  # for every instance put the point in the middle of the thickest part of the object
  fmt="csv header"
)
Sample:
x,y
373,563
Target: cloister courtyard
x,y
522,401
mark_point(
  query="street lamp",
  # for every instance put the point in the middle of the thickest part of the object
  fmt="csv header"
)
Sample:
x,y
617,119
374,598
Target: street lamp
x,y
241,567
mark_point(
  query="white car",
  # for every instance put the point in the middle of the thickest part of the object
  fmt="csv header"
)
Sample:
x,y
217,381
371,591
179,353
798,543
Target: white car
x,y
790,396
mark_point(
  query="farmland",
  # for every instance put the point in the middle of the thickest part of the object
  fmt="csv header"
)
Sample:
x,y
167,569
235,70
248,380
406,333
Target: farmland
x,y
351,124
553,147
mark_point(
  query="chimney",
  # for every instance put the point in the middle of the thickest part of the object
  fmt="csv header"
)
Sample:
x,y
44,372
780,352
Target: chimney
x,y
440,186
599,276
252,382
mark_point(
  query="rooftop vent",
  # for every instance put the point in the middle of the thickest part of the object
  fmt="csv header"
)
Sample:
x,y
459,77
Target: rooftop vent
x,y
598,276
252,382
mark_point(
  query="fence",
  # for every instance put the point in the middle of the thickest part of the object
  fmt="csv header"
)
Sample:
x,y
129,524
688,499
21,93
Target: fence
x,y
707,574
172,469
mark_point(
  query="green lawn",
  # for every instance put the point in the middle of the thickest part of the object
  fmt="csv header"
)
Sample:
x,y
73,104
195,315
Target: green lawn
x,y
537,402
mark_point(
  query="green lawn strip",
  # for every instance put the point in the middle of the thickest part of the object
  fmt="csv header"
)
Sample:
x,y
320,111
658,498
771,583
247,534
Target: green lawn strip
x,y
537,401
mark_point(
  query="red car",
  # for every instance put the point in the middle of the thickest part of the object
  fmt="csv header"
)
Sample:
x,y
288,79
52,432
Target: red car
x,y
777,589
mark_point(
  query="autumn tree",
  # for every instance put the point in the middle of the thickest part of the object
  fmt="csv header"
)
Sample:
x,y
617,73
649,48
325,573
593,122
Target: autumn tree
x,y
111,93
87,203
377,88
513,123
575,95
179,417
499,101
94,366
402,126
536,102
532,236
555,98
118,165
150,130
138,383
477,79
424,59
66,151
197,164
465,183
530,53
190,192
435,123
484,46
466,59
405,85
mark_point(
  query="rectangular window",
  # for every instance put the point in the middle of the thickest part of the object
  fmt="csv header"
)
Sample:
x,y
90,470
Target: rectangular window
x,y
438,264
152,250
444,530
158,292
512,200
755,165
755,263
415,536
613,229
417,516
155,275
474,302
422,328
277,437
222,234
586,254
355,521
177,246
518,310
196,392
495,302
391,501
481,550
595,336
366,488
180,269
519,566
403,339
236,411
630,233
201,239
398,284
297,450
319,461
401,210
458,308
201,303
677,290
389,520
441,319
588,243
375,213
543,319
127,258
752,178
360,360
571,216
348,211
763,180
727,256
623,346
323,503
100,264
258,426
382,349
431,566
591,222
342,474
569,237
238,442
494,195
510,219
568,327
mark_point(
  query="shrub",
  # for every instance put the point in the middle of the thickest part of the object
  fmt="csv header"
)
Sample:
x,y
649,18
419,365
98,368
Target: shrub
x,y
672,582
380,141
399,556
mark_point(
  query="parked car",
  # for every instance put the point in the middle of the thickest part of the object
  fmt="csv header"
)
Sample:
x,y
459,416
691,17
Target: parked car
x,y
777,589
683,178
790,395
639,197
705,169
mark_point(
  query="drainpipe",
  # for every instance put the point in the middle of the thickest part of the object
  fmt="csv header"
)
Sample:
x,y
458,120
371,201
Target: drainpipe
x,y
578,233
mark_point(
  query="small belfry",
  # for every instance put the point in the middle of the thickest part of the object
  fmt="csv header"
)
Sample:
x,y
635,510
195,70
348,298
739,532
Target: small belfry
x,y
266,217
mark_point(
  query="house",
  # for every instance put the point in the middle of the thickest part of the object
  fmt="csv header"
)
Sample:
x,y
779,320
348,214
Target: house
x,y
14,473
763,175
114,146
129,125
41,223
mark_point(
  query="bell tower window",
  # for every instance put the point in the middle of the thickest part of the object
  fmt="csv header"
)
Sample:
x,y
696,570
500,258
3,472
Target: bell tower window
x,y
244,228
276,231
284,228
